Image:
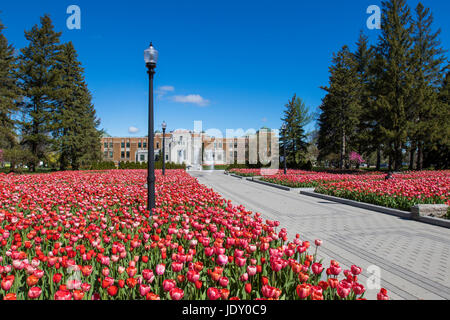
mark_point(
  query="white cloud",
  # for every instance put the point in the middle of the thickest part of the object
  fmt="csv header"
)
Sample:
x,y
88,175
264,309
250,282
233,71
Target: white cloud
x,y
133,129
192,98
163,90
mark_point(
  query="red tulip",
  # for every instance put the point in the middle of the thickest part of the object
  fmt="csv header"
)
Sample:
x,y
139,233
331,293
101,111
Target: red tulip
x,y
57,277
34,292
382,295
303,290
213,293
7,282
112,291
355,270
317,268
10,296
144,289
63,295
169,284
176,294
78,295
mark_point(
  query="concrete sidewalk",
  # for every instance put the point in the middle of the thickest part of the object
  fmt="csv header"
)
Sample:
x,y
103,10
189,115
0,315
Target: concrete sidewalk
x,y
413,258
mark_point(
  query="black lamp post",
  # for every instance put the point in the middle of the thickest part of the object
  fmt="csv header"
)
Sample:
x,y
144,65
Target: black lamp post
x,y
164,125
283,127
150,57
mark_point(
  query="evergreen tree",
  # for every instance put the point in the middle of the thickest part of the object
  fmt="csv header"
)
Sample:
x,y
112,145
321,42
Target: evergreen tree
x,y
427,69
75,121
296,117
340,108
363,56
40,79
9,93
394,90
438,153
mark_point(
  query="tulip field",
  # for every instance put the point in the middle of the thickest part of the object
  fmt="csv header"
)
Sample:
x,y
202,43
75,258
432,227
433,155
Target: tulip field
x,y
87,236
402,192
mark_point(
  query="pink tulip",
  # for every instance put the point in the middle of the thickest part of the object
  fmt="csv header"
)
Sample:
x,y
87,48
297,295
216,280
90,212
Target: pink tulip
x,y
355,270
34,292
169,284
317,268
251,270
222,259
148,275
144,289
176,294
160,268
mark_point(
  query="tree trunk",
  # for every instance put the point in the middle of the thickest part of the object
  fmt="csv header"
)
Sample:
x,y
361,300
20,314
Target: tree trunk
x,y
341,162
412,154
378,158
420,156
397,156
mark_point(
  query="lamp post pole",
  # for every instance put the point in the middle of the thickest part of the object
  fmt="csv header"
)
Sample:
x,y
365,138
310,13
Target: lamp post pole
x,y
150,56
284,147
164,148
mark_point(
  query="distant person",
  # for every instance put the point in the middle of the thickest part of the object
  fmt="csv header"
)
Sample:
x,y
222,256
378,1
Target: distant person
x,y
388,176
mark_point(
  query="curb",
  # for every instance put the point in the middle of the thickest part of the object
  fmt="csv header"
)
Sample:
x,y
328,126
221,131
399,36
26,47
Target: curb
x,y
395,212
434,221
271,184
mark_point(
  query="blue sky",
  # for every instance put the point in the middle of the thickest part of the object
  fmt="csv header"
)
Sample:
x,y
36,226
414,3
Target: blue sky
x,y
232,64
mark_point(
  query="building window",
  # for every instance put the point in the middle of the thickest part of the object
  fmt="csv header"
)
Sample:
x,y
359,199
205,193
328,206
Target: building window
x,y
110,154
157,145
105,154
106,144
122,154
142,157
145,144
128,154
139,144
220,144
122,145
110,144
128,144
167,157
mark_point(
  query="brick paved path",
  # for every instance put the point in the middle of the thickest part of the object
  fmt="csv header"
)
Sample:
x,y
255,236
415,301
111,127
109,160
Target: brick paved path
x,y
414,258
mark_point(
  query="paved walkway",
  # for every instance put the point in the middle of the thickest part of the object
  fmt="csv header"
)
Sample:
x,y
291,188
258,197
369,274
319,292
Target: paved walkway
x,y
413,257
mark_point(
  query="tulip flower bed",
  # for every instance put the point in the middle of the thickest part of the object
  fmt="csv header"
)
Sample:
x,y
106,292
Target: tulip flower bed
x,y
262,172
246,172
310,180
88,235
402,192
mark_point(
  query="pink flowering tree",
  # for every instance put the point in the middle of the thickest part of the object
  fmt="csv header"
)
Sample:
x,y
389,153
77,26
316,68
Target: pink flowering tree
x,y
356,158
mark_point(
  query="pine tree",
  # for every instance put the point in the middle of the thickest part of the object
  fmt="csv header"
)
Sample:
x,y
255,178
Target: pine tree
x,y
363,57
438,153
78,139
395,85
9,93
296,117
340,108
40,79
427,69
